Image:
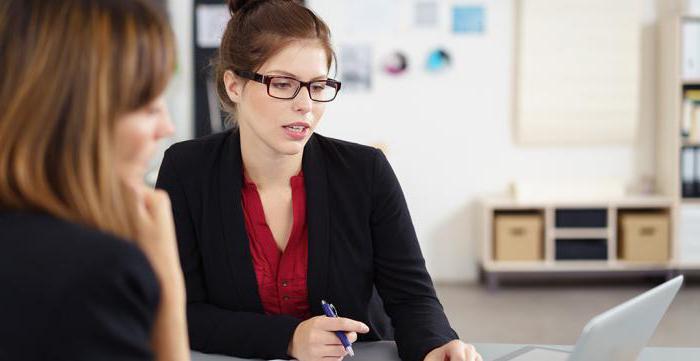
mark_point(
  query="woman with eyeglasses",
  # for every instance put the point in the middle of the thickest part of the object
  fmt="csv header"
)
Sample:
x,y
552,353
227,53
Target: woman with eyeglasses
x,y
88,258
272,218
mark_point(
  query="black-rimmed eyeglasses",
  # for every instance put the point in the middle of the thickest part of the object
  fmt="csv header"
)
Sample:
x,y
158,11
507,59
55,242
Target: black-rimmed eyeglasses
x,y
284,87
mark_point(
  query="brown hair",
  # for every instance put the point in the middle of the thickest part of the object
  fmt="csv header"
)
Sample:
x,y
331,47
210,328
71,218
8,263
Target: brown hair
x,y
258,29
70,69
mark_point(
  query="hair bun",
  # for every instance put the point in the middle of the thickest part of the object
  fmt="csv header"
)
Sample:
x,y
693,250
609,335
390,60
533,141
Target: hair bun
x,y
235,6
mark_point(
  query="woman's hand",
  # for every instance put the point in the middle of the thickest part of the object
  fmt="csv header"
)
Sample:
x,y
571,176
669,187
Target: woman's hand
x,y
156,237
315,339
454,351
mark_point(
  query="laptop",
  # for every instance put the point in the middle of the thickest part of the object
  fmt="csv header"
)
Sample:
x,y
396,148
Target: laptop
x,y
618,334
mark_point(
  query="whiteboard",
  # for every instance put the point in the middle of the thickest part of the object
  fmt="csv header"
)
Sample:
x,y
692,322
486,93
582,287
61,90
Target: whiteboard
x,y
577,71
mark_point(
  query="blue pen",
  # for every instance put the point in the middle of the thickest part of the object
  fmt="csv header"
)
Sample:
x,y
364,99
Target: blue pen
x,y
330,311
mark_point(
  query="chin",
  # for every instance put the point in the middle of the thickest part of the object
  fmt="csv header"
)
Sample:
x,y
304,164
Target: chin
x,y
291,149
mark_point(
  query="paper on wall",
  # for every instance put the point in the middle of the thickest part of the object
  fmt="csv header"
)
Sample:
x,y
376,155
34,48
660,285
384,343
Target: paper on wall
x,y
211,23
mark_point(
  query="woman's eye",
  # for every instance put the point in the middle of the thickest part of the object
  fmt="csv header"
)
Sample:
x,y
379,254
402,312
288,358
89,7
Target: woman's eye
x,y
281,85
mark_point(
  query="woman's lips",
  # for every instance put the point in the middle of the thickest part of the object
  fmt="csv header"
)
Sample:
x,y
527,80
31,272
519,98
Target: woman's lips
x,y
296,132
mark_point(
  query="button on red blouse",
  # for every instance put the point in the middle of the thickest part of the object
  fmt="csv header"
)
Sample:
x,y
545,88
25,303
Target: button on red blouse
x,y
281,275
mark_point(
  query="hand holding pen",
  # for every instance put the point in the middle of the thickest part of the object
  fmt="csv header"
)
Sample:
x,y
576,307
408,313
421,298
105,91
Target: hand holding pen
x,y
316,338
330,311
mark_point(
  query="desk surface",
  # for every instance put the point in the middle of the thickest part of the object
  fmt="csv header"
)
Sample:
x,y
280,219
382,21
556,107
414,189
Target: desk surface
x,y
386,351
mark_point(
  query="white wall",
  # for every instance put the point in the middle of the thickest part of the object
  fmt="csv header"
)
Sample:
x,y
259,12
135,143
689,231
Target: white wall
x,y
449,147
180,92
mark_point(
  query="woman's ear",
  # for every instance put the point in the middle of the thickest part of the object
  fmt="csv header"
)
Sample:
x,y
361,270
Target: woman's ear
x,y
234,86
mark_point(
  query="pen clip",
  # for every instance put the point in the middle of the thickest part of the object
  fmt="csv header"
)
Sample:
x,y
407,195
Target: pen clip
x,y
333,310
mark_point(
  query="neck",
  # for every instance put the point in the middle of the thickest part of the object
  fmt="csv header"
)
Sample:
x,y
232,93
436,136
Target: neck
x,y
267,168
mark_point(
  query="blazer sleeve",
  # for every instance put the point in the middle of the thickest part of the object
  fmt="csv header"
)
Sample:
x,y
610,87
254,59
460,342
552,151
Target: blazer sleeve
x,y
213,329
108,313
401,278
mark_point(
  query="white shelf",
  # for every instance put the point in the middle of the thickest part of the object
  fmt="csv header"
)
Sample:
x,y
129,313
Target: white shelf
x,y
633,201
583,233
687,265
574,266
494,206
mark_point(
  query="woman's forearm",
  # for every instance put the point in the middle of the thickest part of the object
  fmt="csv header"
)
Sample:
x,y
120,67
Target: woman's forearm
x,y
170,342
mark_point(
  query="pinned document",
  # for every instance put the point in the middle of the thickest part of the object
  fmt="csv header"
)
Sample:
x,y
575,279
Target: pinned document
x,y
356,67
690,122
691,50
696,180
688,172
426,14
468,19
211,23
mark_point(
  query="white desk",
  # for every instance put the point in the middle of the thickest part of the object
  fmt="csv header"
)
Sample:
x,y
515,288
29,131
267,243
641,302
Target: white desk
x,y
386,351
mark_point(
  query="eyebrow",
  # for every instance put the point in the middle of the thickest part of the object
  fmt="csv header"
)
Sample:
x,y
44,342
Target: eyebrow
x,y
286,73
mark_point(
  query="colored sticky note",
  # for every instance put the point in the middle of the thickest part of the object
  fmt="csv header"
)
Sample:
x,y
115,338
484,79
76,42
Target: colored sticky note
x,y
468,19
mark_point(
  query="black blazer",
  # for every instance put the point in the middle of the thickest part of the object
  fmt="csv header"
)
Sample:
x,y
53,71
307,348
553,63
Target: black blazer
x,y
360,237
72,293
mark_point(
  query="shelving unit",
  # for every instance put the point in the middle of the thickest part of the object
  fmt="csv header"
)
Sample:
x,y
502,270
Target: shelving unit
x,y
669,142
608,213
682,214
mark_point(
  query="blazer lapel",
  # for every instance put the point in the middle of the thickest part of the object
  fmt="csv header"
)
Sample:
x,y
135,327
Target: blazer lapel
x,y
233,225
318,221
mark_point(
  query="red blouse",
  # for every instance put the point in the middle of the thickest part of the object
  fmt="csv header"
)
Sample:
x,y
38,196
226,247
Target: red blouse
x,y
281,275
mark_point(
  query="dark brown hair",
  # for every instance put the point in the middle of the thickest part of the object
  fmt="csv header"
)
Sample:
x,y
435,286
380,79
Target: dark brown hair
x,y
70,69
259,29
